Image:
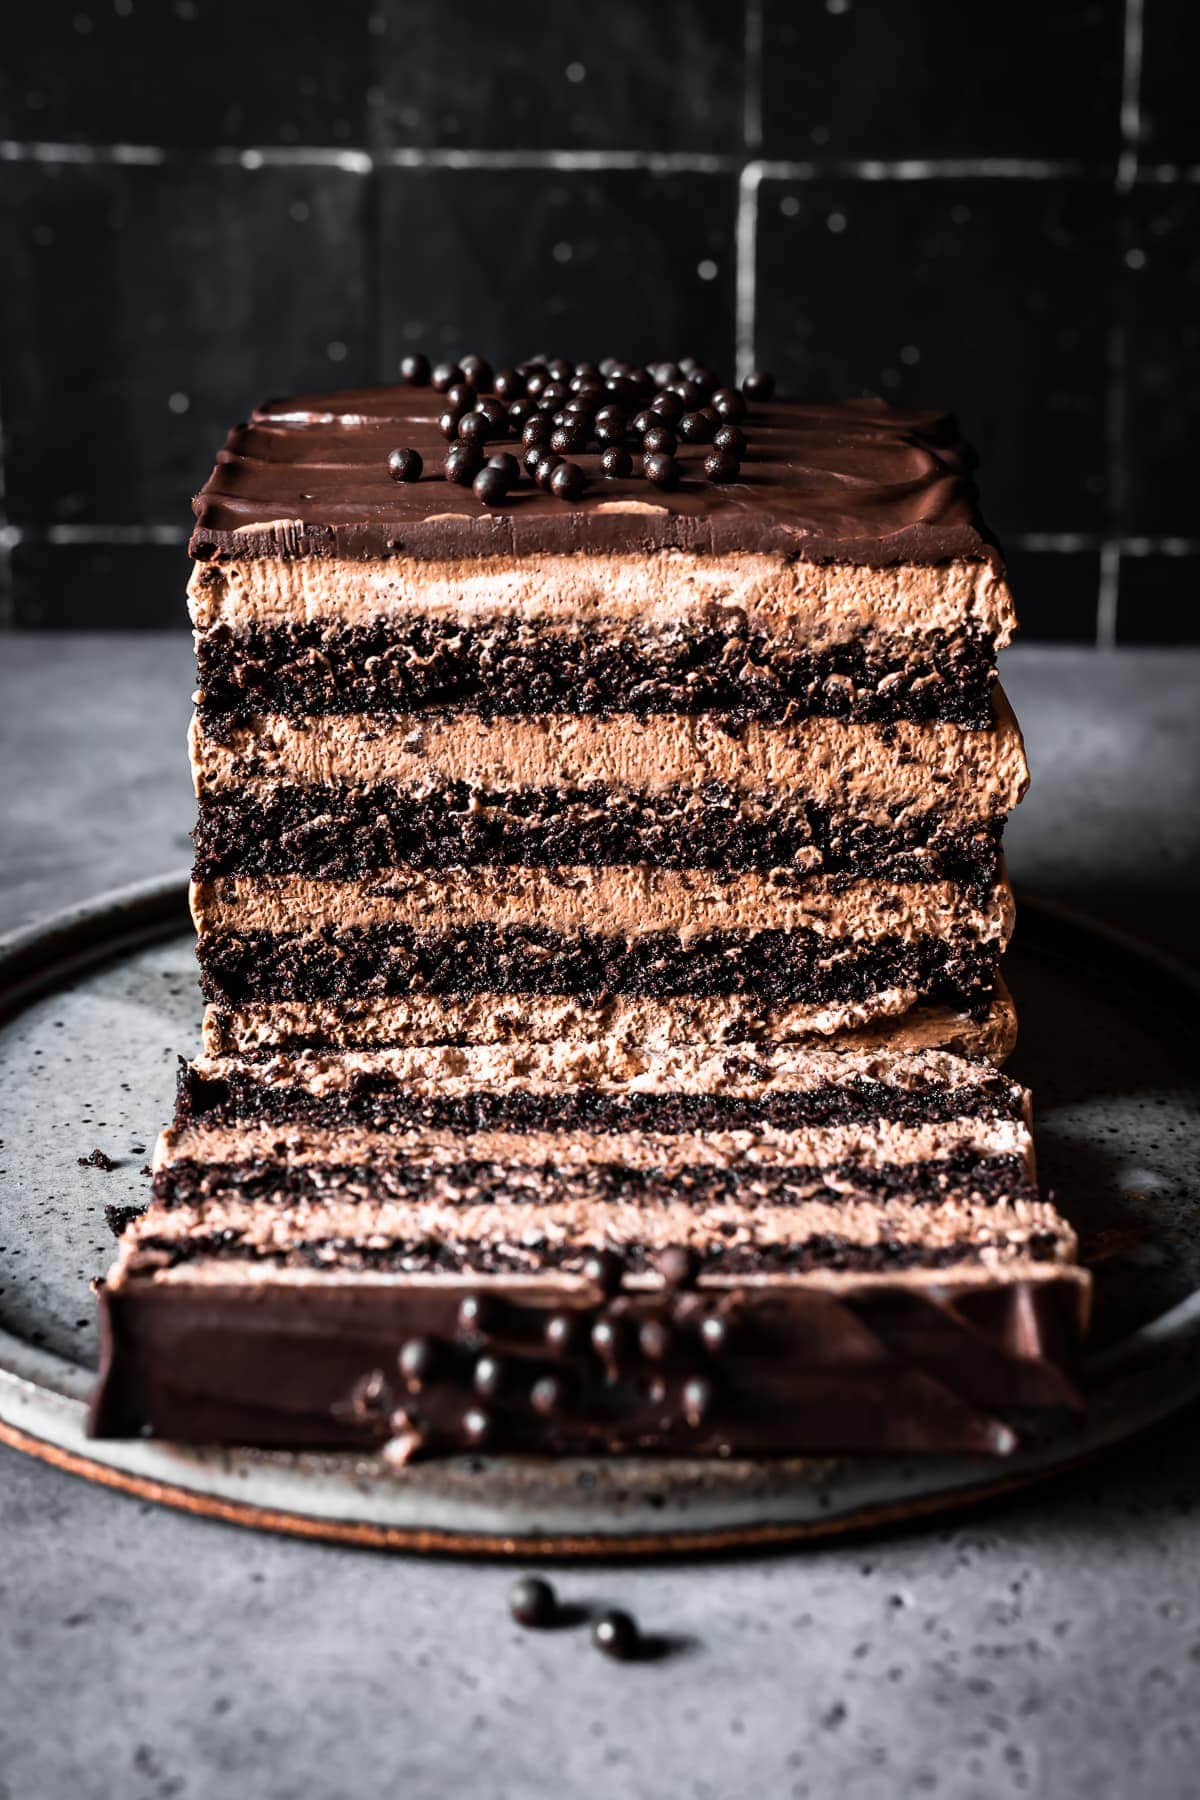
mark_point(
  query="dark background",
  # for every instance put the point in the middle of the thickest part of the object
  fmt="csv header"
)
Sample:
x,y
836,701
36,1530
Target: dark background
x,y
988,205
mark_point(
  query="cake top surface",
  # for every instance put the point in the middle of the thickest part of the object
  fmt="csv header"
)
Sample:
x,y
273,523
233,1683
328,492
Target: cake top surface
x,y
859,482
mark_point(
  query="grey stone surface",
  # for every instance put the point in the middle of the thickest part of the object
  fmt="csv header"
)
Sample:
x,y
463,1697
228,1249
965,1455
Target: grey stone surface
x,y
1047,1646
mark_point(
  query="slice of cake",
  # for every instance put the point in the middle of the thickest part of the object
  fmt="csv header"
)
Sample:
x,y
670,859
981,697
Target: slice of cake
x,y
715,759
570,1248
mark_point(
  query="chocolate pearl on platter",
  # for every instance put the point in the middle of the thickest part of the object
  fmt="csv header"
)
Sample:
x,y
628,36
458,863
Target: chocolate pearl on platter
x,y
731,438
715,1333
660,470
615,1634
705,380
608,1338
610,426
604,1269
535,381
660,440
678,1265
448,421
655,1340
560,369
616,462
533,1602
549,461
477,1427
536,430
445,376
478,370
463,463
568,440
589,371
491,486
722,465
562,1332
490,1376
567,481
495,412
689,392
518,411
621,390
507,464
759,386
533,458
477,1314
697,427
417,1362
688,365
462,395
667,405
473,428
415,370
509,384
405,465
697,1399
645,421
553,394
549,1395
729,404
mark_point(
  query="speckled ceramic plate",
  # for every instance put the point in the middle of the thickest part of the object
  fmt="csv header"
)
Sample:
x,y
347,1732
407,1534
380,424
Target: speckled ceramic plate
x,y
96,1005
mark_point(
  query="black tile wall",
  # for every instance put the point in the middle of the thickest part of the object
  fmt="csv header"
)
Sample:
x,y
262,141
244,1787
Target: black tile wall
x,y
992,207
582,265
1009,78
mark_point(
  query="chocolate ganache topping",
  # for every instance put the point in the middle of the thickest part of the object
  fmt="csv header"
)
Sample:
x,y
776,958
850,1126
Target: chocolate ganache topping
x,y
859,482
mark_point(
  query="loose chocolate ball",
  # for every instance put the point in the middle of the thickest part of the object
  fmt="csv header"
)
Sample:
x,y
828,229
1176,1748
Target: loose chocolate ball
x,y
417,1361
687,366
405,465
496,414
590,371
508,384
491,1373
697,1399
698,427
562,1332
548,1396
704,379
533,458
644,421
445,376
759,386
678,1265
731,438
415,370
560,369
667,405
616,462
533,1602
714,1334
507,464
661,471
604,1269
463,463
477,1427
491,485
655,1340
478,370
553,394
546,467
665,374
536,430
689,393
568,440
729,404
660,440
477,1315
608,1338
535,380
518,412
462,395
566,480
615,1634
722,465
610,426
448,421
473,428
621,391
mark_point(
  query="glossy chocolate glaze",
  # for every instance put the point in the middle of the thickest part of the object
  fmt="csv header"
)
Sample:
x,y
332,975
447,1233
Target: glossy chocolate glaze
x,y
859,482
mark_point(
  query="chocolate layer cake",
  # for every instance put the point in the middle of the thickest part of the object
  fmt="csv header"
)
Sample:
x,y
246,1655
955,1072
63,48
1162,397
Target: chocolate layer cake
x,y
695,762
577,1247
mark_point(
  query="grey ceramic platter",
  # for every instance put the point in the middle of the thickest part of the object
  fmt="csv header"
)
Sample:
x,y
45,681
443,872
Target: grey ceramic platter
x,y
96,1005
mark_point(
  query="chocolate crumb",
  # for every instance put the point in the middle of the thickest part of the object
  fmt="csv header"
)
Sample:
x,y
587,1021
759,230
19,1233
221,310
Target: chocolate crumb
x,y
97,1160
118,1217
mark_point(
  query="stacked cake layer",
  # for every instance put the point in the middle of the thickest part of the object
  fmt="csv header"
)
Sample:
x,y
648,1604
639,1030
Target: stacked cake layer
x,y
600,905
693,1249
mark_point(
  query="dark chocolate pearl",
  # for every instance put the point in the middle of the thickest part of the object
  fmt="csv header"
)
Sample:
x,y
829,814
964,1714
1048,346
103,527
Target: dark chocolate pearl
x,y
621,390
616,462
462,395
608,1338
417,1362
462,464
415,370
473,428
729,404
477,1427
689,393
714,1334
655,1340
678,1266
562,1332
731,438
508,384
590,371
697,427
610,426
448,421
661,471
566,480
477,1314
697,1399
507,464
445,376
663,374
759,386
722,465
645,421
560,369
533,458
688,366
604,1270
491,485
704,379
405,465
549,461
478,370
660,440
615,1634
490,1377
667,405
548,1396
553,394
536,430
496,414
535,381
519,411
568,440
533,1602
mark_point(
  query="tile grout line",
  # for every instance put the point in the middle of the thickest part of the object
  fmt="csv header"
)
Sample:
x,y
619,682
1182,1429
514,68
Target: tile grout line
x,y
1116,347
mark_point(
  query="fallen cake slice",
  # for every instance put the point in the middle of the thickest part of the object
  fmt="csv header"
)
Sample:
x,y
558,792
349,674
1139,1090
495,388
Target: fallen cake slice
x,y
568,1248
